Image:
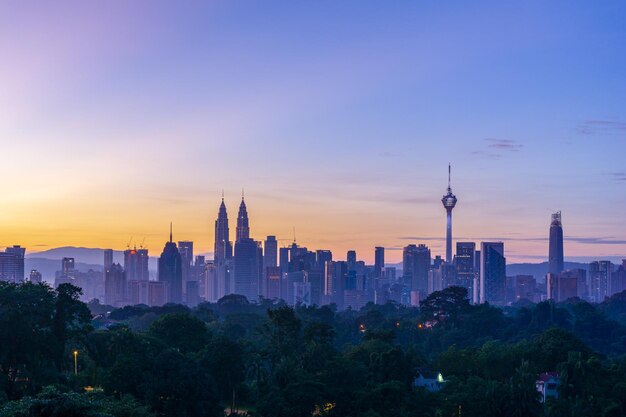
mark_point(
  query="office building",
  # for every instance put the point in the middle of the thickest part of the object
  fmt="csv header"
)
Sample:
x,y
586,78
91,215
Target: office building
x,y
464,263
416,262
600,280
246,266
270,254
12,264
108,258
35,276
136,264
560,287
379,261
186,255
492,273
115,286
67,265
555,256
171,272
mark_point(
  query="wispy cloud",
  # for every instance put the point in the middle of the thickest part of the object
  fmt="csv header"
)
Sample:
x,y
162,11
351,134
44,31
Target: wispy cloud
x,y
497,148
601,127
618,176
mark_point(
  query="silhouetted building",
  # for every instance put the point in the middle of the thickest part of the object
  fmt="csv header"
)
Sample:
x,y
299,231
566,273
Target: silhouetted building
x,y
171,271
560,287
464,262
12,264
379,261
67,265
136,264
335,278
555,258
243,229
108,258
186,255
351,259
223,252
416,262
599,280
35,276
270,255
525,287
618,278
492,273
580,275
115,286
246,265
449,202
272,282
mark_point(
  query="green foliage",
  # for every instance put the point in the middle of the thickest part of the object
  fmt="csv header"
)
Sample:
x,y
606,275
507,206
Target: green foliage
x,y
271,360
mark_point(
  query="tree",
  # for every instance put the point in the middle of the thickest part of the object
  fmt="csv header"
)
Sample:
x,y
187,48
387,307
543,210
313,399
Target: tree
x,y
180,331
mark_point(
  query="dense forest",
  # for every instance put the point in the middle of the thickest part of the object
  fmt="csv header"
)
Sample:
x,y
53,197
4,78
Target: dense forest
x,y
61,357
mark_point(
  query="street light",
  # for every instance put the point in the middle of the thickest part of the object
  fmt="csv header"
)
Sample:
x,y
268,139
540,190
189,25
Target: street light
x,y
75,362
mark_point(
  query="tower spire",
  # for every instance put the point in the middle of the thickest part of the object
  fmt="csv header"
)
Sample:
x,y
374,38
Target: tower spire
x,y
449,173
170,232
222,195
241,193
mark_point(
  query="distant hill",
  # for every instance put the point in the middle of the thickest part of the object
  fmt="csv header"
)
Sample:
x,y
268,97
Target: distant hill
x,y
87,255
48,267
539,271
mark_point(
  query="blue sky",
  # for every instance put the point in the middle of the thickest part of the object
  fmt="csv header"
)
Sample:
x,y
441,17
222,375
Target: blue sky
x,y
338,118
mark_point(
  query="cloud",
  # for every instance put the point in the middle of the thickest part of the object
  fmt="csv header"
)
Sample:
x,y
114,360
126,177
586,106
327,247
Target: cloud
x,y
504,144
618,176
601,127
497,148
596,240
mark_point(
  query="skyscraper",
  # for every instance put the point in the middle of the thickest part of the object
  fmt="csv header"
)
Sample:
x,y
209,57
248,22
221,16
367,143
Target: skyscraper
x,y
223,252
243,230
136,264
108,258
185,248
67,265
223,248
12,264
600,280
449,201
171,272
464,262
115,285
555,257
416,262
492,273
35,276
379,261
246,268
270,257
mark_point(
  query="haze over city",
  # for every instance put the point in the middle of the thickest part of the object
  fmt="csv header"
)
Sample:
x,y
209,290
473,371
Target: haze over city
x,y
338,119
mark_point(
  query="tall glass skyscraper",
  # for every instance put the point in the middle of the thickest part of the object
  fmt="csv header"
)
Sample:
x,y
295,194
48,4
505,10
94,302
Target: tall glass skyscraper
x,y
492,273
555,257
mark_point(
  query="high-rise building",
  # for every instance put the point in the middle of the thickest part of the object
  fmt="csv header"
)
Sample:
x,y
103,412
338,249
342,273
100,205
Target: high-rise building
x,y
136,264
560,287
416,262
115,285
223,252
12,264
555,257
223,247
243,229
171,271
108,258
270,255
492,273
379,261
246,268
449,202
272,282
185,248
464,263
600,280
67,265
351,259
524,288
618,278
35,276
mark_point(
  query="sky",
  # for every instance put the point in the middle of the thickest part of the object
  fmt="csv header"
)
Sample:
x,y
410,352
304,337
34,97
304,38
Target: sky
x,y
338,119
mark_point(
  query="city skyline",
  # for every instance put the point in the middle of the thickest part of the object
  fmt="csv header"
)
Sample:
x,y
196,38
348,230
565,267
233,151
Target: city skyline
x,y
341,131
